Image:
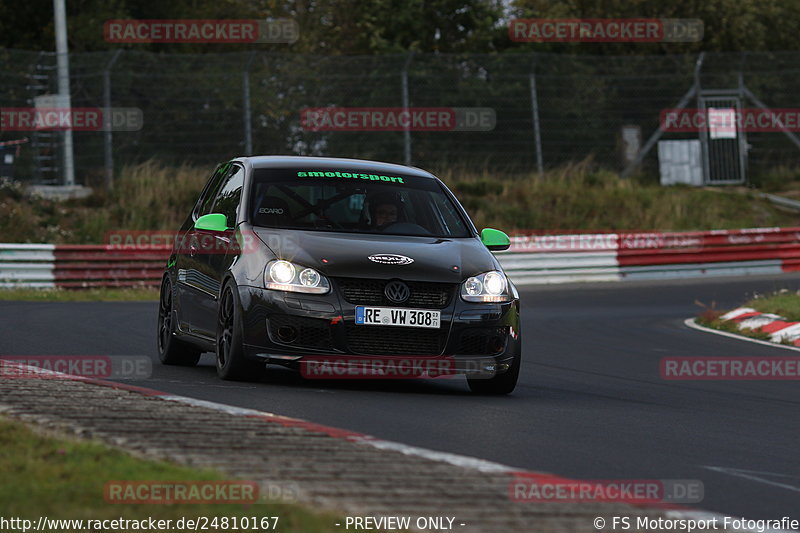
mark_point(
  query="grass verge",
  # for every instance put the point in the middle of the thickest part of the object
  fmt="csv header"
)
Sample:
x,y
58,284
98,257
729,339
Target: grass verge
x,y
582,197
782,302
82,295
64,478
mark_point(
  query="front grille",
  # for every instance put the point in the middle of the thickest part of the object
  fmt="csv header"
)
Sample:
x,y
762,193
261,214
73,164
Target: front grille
x,y
310,332
482,341
424,295
388,340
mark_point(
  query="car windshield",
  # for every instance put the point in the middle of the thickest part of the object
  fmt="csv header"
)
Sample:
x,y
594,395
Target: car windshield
x,y
353,201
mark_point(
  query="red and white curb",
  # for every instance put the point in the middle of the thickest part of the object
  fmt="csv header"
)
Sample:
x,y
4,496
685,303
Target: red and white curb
x,y
780,330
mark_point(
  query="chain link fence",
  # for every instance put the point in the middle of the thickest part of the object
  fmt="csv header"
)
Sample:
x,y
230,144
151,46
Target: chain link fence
x,y
550,109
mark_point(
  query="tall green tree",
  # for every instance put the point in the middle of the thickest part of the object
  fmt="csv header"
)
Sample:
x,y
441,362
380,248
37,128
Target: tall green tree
x,y
393,26
730,25
326,26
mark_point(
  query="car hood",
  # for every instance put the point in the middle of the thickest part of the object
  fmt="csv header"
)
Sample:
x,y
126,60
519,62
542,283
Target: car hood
x,y
347,254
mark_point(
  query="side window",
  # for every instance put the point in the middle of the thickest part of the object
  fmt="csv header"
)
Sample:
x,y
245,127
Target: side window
x,y
271,207
203,206
227,199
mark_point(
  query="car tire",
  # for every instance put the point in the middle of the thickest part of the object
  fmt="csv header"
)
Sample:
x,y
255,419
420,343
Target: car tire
x,y
231,362
172,350
500,384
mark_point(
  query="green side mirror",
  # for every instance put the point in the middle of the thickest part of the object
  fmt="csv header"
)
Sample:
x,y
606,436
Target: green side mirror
x,y
495,240
212,222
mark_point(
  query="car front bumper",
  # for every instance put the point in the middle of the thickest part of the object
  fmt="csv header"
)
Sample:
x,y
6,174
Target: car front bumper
x,y
289,328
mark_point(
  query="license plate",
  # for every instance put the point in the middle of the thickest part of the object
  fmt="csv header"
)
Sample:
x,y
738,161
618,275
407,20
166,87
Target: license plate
x,y
395,316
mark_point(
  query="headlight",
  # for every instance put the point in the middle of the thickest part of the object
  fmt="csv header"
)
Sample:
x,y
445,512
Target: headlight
x,y
487,287
494,283
282,275
473,287
281,272
310,278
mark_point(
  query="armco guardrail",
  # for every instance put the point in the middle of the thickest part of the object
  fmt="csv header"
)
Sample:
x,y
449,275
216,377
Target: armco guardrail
x,y
80,266
542,258
534,258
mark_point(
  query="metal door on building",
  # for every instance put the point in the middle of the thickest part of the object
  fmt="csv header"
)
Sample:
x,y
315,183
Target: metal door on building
x,y
722,140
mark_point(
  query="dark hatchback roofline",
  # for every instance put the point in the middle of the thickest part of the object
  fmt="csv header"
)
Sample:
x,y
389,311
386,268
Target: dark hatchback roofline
x,y
338,163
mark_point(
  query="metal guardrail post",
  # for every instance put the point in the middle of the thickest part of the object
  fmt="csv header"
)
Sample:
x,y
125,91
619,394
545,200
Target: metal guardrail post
x,y
246,109
406,130
62,51
537,135
108,137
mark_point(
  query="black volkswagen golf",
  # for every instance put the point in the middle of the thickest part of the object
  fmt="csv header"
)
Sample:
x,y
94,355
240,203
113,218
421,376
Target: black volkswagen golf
x,y
285,260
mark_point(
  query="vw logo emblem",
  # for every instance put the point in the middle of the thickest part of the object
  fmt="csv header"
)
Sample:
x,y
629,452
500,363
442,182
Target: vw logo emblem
x,y
390,259
397,292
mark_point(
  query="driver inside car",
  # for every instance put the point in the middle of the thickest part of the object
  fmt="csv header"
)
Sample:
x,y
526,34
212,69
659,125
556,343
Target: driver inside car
x,y
384,210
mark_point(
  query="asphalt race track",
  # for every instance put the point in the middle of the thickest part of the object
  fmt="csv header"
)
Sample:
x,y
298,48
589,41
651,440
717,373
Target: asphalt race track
x,y
590,403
